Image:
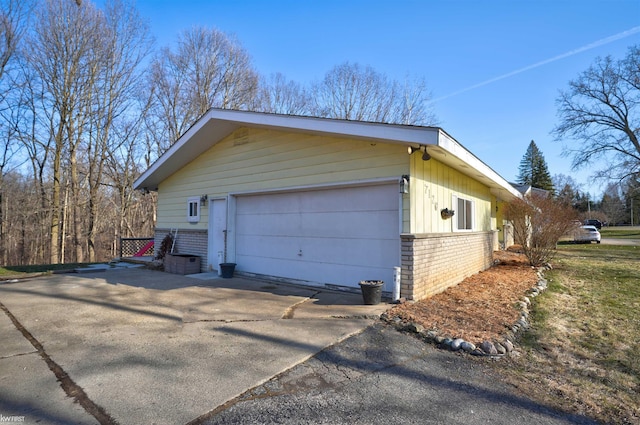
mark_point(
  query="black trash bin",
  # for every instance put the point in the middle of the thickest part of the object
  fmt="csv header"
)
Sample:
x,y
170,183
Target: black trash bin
x,y
371,291
227,269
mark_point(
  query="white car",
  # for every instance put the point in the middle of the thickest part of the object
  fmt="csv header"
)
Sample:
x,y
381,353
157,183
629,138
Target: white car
x,y
587,234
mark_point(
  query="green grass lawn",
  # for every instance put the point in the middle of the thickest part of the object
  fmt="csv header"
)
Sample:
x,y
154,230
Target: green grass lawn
x,y
582,352
5,273
10,272
620,232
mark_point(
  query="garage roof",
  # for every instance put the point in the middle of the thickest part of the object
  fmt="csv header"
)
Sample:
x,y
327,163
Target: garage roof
x,y
217,124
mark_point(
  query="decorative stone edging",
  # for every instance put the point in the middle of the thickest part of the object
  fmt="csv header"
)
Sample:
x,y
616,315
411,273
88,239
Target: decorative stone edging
x,y
504,346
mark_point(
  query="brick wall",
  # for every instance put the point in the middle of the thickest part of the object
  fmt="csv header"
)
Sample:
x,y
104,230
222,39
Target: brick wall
x,y
188,242
433,262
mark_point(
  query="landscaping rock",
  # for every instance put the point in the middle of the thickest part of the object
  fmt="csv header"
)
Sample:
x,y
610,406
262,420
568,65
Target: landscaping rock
x,y
467,347
508,345
431,334
500,348
455,344
415,327
488,348
522,323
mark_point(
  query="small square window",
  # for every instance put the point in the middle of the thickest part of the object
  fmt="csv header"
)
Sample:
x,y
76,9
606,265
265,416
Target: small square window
x,y
193,210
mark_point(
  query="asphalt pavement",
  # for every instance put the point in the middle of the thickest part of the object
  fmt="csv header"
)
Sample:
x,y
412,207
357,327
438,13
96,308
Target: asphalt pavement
x,y
382,376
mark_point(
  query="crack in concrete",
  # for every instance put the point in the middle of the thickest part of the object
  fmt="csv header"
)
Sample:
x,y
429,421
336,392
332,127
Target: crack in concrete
x,y
344,370
72,389
19,355
289,312
224,321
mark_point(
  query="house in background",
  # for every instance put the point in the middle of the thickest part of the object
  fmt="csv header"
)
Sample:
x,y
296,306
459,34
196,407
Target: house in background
x,y
324,201
528,190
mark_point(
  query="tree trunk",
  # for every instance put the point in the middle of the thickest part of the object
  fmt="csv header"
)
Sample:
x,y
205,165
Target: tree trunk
x,y
77,210
54,236
3,237
91,233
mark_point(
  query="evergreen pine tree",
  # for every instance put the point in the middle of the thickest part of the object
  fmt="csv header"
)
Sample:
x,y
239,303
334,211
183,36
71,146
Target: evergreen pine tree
x,y
533,169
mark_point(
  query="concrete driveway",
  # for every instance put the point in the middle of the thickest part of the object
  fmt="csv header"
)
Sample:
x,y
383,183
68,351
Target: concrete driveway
x,y
133,346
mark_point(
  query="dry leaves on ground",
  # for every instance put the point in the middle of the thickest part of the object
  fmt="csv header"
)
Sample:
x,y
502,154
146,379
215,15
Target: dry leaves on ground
x,y
482,307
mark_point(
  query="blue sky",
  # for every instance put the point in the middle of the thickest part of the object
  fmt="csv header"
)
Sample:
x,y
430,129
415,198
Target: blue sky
x,y
494,67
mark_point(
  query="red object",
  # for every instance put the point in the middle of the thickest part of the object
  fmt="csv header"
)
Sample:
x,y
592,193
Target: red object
x,y
144,249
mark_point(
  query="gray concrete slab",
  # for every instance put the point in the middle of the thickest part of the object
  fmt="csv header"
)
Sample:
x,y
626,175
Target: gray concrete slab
x,y
151,347
31,394
13,343
29,391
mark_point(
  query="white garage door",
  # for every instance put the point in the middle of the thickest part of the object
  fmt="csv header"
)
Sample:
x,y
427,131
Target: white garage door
x,y
338,236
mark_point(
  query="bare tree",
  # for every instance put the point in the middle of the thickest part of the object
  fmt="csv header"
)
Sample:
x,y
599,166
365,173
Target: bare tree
x,y
601,111
123,43
60,51
83,65
281,96
8,152
612,205
353,92
414,107
207,69
22,238
13,20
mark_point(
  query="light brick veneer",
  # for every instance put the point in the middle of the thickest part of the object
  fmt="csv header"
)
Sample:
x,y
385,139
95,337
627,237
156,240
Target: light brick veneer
x,y
192,242
434,262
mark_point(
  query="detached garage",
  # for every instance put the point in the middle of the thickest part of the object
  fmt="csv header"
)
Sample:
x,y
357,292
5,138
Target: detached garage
x,y
328,202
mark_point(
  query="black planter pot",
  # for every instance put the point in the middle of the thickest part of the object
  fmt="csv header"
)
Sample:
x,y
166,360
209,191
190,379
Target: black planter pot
x,y
227,270
371,291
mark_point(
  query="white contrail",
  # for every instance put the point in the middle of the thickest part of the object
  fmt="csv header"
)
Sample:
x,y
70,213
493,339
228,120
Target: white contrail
x,y
590,46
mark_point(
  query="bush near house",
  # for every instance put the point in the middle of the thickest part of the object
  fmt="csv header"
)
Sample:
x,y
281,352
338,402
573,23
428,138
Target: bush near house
x,y
539,222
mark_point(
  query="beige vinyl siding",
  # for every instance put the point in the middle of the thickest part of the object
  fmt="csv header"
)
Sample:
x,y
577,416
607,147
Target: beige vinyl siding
x,y
255,160
433,185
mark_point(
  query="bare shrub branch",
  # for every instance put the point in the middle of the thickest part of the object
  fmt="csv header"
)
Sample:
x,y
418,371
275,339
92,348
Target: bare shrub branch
x,y
538,224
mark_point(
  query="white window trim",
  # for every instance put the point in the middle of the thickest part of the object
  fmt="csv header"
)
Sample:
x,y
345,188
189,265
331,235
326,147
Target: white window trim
x,y
191,201
454,201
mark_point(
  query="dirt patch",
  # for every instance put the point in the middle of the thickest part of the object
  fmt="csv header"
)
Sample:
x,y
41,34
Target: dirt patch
x,y
482,307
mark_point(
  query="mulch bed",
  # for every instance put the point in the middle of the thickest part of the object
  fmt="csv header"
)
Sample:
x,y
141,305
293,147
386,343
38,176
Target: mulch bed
x,y
482,307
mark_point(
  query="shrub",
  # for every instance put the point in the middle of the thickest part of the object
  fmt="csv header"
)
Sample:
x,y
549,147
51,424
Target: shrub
x,y
539,222
165,246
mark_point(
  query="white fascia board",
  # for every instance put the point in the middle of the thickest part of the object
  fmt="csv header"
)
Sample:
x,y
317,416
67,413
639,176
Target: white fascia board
x,y
341,128
500,186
